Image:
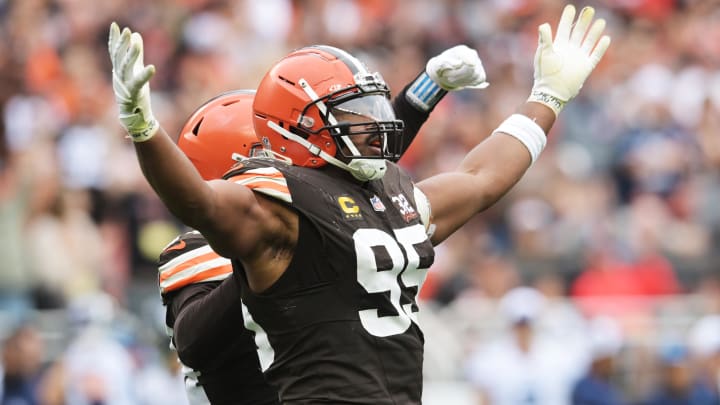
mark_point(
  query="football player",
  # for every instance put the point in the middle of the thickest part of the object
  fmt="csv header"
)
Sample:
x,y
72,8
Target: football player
x,y
203,307
332,249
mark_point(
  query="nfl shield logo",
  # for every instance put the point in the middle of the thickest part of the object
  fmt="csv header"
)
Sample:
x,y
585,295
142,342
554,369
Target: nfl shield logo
x,y
377,204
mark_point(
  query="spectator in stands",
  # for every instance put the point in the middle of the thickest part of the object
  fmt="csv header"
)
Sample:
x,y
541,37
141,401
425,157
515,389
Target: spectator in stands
x,y
514,368
22,358
704,351
597,387
97,368
678,385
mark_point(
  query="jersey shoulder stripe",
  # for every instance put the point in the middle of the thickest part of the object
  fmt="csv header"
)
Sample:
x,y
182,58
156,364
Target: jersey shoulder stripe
x,y
217,271
183,243
265,180
190,260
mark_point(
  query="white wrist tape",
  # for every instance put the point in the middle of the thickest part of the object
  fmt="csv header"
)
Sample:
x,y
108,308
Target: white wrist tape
x,y
149,132
548,100
526,131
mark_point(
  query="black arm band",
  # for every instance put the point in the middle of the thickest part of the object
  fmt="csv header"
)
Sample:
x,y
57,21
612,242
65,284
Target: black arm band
x,y
414,104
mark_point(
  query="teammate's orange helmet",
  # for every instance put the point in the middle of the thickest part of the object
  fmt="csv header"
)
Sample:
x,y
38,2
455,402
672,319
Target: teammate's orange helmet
x,y
299,99
219,129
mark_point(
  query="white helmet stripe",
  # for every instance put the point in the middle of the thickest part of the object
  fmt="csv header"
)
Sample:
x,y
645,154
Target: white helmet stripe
x,y
323,109
352,62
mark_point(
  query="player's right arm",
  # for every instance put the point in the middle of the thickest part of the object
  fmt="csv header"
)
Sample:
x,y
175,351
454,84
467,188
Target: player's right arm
x,y
216,208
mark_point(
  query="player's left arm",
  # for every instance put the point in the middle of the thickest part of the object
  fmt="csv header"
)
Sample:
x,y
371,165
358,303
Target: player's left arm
x,y
486,173
490,169
454,69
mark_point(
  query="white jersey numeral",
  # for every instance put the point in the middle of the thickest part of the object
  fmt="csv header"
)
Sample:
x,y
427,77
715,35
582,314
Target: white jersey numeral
x,y
266,354
405,273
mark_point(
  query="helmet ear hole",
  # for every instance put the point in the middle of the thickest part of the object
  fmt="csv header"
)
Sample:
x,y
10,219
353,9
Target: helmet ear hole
x,y
196,128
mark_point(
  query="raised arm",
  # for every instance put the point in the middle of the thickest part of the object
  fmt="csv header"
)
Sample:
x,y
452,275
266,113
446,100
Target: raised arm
x,y
454,69
491,169
206,206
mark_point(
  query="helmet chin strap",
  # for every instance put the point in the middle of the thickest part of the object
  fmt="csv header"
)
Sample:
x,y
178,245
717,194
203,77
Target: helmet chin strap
x,y
361,169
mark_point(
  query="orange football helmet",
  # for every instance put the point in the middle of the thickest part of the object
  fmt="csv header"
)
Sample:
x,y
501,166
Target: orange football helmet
x,y
219,130
300,103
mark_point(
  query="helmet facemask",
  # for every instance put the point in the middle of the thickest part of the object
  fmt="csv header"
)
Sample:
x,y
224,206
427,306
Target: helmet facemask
x,y
362,113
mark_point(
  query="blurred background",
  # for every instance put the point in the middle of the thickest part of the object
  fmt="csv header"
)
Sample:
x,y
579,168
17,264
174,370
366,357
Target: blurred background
x,y
598,275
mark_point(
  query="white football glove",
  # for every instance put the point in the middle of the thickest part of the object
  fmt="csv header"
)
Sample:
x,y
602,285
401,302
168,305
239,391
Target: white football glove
x,y
130,83
457,68
562,66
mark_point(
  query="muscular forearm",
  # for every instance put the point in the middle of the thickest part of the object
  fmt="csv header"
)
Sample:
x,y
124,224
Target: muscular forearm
x,y
169,172
541,114
486,174
503,155
175,179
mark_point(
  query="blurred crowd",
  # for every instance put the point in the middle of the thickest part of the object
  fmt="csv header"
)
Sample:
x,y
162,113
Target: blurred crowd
x,y
615,229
